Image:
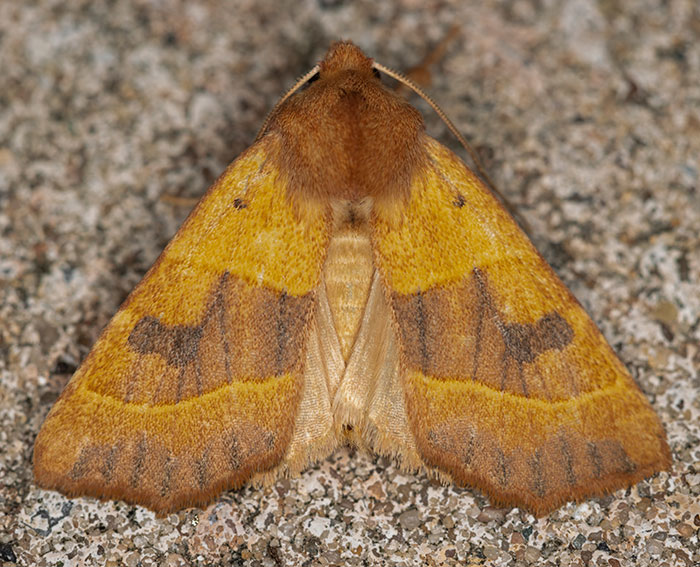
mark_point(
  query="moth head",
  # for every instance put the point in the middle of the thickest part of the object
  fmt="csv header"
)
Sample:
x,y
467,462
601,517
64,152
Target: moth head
x,y
345,56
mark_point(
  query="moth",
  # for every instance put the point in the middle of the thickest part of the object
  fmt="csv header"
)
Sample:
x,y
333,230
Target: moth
x,y
349,280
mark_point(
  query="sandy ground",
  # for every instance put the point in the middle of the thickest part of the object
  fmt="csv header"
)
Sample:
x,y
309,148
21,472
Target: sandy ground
x,y
587,115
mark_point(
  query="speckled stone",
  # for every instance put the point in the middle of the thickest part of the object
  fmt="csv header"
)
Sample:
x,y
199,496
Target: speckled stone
x,y
587,118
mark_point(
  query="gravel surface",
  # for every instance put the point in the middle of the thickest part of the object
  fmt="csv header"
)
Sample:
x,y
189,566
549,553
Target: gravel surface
x,y
587,115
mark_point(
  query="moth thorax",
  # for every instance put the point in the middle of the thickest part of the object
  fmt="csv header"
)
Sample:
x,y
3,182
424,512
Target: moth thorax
x,y
348,269
348,137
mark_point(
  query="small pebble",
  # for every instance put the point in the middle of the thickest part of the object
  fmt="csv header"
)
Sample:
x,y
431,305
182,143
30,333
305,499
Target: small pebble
x,y
410,519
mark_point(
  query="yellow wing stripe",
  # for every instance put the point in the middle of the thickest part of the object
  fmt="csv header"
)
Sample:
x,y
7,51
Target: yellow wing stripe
x,y
521,423
257,392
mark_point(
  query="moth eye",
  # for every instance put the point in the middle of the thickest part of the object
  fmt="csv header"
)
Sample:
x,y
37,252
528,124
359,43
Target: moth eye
x,y
313,79
376,73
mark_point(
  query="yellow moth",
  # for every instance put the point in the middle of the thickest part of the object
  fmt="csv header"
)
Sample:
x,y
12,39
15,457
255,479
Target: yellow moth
x,y
348,279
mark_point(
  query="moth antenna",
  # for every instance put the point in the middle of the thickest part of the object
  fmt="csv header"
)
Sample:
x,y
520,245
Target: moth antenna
x,y
404,80
300,83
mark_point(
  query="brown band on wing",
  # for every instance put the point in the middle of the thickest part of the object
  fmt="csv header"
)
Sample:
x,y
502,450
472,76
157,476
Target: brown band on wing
x,y
595,459
284,357
201,466
568,461
422,335
502,469
109,462
558,467
612,458
233,450
148,468
84,461
448,332
245,333
168,469
138,463
419,319
537,479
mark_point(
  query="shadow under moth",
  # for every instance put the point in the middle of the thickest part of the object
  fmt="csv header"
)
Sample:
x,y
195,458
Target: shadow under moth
x,y
349,280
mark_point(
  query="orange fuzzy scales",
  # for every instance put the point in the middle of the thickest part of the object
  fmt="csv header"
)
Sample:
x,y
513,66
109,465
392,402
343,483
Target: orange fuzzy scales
x,y
348,279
